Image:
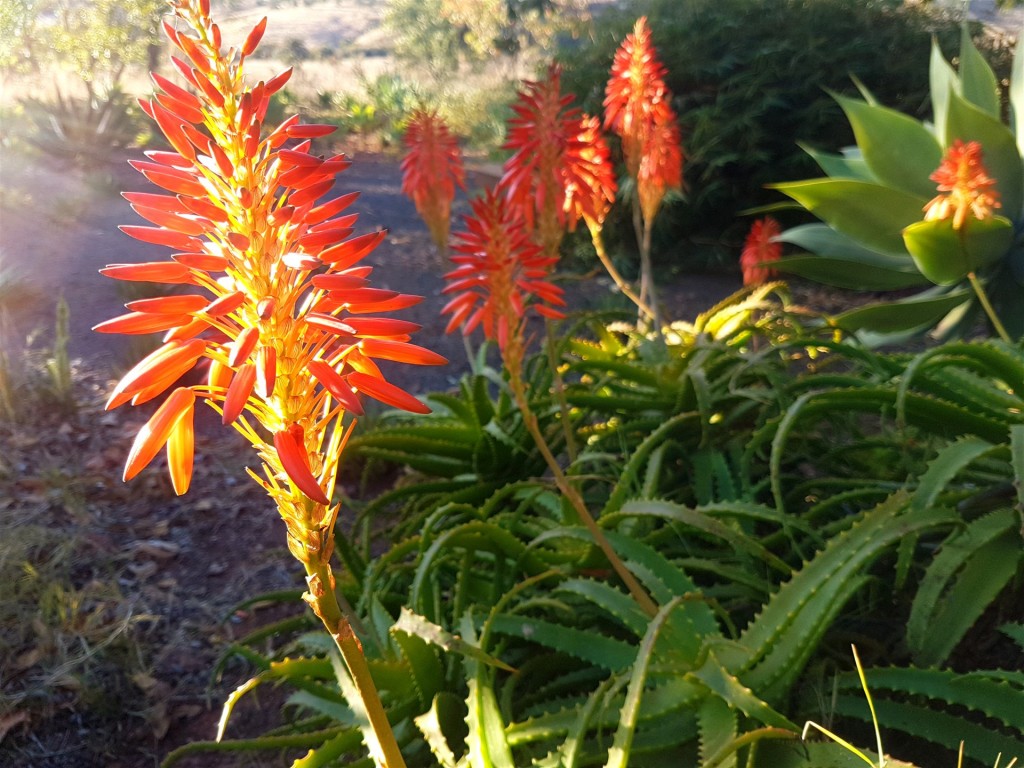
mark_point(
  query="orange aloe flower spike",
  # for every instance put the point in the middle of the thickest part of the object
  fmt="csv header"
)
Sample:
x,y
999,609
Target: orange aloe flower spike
x,y
661,166
498,272
542,136
964,186
591,189
431,170
636,96
760,250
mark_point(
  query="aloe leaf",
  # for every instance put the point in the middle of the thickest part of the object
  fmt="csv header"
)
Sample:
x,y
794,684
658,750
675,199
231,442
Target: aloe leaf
x,y
354,698
1017,462
944,81
814,754
618,755
999,150
486,743
588,645
430,725
851,273
730,689
945,255
967,574
571,750
328,752
338,711
423,663
781,638
874,214
611,601
950,461
262,743
840,166
1017,97
981,691
695,518
717,722
899,150
981,742
902,315
412,624
233,698
1015,632
979,82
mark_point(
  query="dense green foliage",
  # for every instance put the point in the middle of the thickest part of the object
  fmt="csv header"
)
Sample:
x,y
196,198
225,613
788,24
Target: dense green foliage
x,y
779,491
749,79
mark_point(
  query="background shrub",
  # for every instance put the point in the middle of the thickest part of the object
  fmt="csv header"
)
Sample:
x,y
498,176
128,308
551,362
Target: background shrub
x,y
750,80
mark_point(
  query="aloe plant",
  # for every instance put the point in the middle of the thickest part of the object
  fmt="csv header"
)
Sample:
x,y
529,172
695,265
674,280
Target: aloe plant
x,y
875,233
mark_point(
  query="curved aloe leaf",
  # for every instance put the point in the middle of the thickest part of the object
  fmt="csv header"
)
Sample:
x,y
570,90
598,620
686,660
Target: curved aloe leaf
x,y
968,573
977,78
849,273
946,255
844,166
943,81
899,150
875,214
618,755
905,315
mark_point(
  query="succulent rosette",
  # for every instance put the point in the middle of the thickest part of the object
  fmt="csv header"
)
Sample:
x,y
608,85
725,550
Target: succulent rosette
x,y
930,205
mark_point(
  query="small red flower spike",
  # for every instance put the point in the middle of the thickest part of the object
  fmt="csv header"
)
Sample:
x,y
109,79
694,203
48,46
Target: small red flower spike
x,y
431,170
499,273
638,109
591,189
543,136
273,298
760,250
964,186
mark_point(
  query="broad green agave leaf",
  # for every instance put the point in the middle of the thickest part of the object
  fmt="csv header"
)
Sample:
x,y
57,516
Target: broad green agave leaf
x,y
874,214
893,317
899,150
946,255
845,166
943,81
976,77
841,261
848,273
1017,95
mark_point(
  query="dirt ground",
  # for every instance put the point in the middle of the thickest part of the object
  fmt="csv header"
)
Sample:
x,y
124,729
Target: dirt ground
x,y
178,565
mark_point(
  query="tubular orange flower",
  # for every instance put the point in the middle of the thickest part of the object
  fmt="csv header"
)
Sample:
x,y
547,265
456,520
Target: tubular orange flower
x,y
964,186
760,250
431,170
259,249
544,136
591,186
499,271
661,166
636,97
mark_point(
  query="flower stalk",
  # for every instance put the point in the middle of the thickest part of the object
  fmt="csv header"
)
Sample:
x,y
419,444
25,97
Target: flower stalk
x,y
278,310
500,271
637,108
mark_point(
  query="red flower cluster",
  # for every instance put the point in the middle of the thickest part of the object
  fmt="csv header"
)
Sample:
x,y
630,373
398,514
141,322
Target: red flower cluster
x,y
967,186
499,270
276,301
637,108
431,170
760,250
